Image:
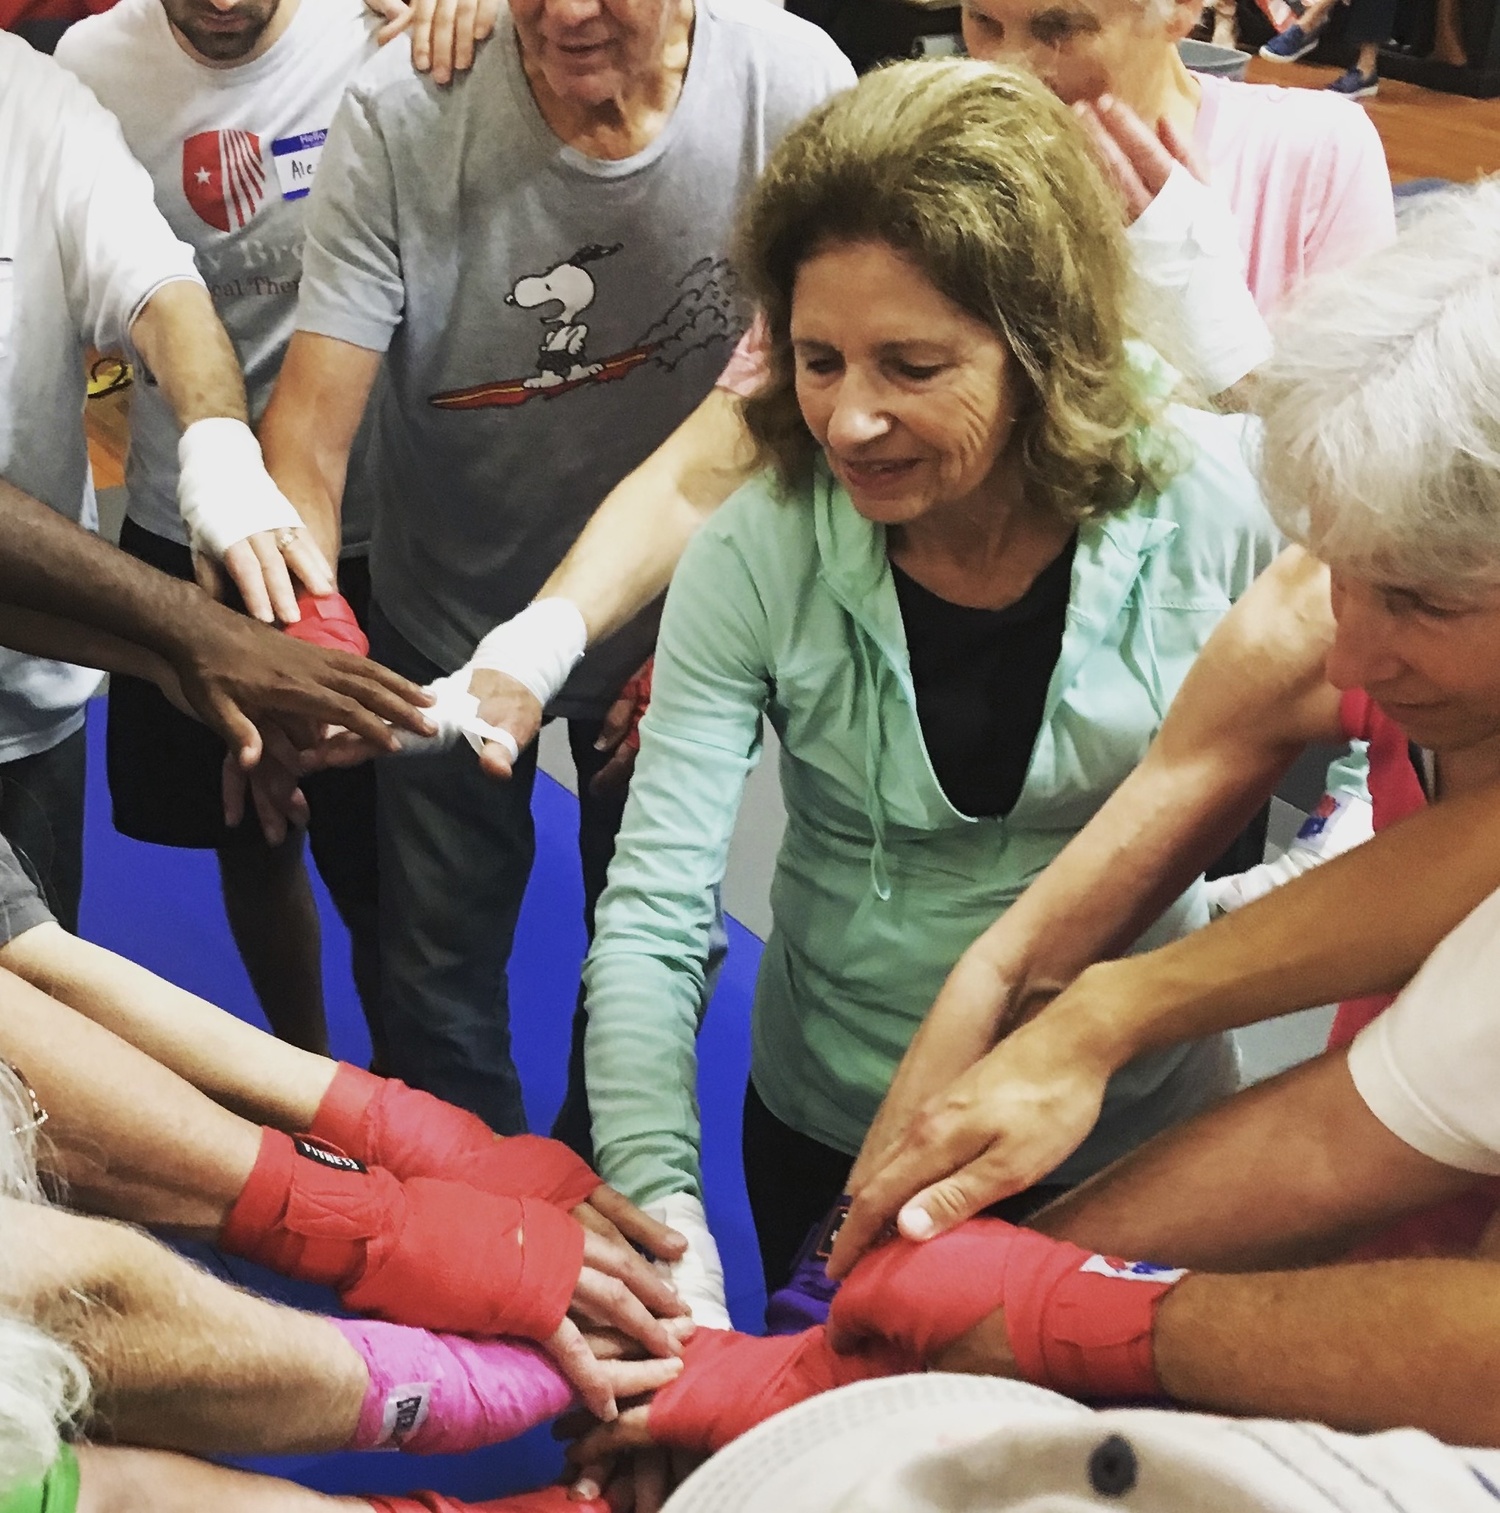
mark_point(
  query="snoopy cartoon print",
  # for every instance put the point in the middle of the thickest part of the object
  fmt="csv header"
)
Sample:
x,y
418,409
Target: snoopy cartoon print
x,y
562,357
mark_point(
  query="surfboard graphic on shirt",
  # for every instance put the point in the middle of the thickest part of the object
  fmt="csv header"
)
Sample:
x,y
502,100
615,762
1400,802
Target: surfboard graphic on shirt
x,y
513,391
223,177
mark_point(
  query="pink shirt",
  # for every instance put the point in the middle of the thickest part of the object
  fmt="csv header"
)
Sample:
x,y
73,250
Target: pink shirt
x,y
1305,175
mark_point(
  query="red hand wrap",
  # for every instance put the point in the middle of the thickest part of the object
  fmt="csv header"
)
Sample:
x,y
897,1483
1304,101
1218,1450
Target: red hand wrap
x,y
385,1123
440,1255
543,1500
1079,1323
328,621
732,1382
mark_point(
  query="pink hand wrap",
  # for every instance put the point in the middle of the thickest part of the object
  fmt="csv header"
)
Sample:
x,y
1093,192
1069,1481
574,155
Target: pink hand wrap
x,y
385,1123
1079,1323
440,1255
328,621
440,1393
543,1500
731,1382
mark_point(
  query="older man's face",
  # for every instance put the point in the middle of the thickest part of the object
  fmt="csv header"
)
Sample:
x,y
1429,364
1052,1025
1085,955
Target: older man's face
x,y
592,51
1079,48
223,31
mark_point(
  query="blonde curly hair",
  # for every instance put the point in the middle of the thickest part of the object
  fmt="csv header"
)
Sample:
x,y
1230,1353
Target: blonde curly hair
x,y
984,180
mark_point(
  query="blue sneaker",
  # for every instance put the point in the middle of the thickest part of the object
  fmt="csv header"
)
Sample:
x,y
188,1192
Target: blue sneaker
x,y
1292,44
1354,85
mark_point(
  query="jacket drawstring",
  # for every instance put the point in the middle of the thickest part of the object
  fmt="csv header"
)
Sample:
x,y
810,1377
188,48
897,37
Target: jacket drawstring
x,y
880,878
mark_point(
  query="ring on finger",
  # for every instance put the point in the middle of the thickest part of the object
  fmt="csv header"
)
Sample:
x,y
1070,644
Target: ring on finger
x,y
285,538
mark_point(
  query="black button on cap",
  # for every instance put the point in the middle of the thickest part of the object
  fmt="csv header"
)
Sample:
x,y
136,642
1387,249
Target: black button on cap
x,y
1112,1467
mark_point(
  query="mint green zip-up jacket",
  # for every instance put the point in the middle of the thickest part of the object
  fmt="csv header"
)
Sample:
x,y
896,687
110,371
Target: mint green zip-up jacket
x,y
786,609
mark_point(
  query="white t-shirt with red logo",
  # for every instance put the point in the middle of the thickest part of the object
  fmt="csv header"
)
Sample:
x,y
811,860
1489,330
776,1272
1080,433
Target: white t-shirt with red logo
x,y
232,153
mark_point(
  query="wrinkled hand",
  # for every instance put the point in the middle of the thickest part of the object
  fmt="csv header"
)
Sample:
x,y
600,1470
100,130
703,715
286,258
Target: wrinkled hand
x,y
602,1372
1138,159
1003,1125
241,678
621,733
443,32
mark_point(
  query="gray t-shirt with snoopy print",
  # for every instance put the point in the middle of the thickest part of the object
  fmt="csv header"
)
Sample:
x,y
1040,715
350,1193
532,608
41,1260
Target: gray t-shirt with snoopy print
x,y
549,318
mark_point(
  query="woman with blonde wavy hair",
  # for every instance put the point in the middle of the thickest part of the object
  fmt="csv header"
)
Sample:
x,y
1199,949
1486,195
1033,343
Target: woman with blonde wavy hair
x,y
981,556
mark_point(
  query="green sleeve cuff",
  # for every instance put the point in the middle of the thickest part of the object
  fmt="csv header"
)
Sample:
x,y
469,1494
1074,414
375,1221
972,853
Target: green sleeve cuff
x,y
56,1492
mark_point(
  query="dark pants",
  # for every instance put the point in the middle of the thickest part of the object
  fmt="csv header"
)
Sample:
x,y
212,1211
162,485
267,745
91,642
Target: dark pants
x,y
41,815
793,1180
456,849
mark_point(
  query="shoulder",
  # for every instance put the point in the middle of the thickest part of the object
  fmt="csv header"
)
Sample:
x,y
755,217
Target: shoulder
x,y
761,525
1293,139
796,58
37,94
101,41
388,77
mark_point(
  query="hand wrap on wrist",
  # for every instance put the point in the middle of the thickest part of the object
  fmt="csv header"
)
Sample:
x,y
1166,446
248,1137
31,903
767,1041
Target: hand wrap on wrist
x,y
1191,269
732,1382
440,1255
224,493
543,1500
1077,1322
328,621
382,1122
538,648
698,1276
441,1393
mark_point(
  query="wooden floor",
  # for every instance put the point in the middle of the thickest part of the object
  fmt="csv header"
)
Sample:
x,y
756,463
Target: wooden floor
x,y
1427,136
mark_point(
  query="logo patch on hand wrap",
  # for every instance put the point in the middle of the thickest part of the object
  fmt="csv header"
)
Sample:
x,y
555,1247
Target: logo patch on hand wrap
x,y
1133,1271
405,1411
326,1157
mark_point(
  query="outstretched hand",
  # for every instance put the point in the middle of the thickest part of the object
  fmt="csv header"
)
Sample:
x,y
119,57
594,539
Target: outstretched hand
x,y
1002,1126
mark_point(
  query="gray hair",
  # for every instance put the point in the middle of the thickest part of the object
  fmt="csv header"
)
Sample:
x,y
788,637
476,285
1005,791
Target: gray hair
x,y
43,1384
1381,449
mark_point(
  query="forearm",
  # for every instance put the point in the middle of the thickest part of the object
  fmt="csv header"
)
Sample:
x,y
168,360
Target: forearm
x,y
236,1065
179,1359
50,565
1360,924
628,551
184,344
1381,1346
42,635
309,427
116,1479
129,1137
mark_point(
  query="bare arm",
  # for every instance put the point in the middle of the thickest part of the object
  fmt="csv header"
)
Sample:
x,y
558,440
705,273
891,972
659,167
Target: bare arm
x,y
234,673
130,1138
182,341
310,424
114,1479
177,1358
237,1065
71,641
1254,698
1291,1172
629,549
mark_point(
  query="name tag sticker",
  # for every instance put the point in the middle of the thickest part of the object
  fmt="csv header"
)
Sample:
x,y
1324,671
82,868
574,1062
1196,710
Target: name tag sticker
x,y
296,160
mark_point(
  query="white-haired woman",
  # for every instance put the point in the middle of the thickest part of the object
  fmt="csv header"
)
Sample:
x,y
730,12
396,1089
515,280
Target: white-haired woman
x,y
1381,456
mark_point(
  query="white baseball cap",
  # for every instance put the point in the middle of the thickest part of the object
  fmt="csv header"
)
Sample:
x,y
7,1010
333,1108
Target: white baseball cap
x,y
940,1443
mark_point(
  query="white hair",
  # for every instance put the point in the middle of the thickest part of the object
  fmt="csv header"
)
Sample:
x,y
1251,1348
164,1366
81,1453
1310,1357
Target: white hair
x,y
1381,449
43,1384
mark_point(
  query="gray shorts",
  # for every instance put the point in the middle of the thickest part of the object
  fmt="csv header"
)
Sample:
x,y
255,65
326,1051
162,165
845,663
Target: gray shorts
x,y
21,904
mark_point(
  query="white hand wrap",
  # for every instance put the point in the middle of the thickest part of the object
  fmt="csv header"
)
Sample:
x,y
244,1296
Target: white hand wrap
x,y
456,714
1191,272
1342,824
223,490
699,1275
538,648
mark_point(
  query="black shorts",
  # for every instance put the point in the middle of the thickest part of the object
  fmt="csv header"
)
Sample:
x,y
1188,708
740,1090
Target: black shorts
x,y
166,770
